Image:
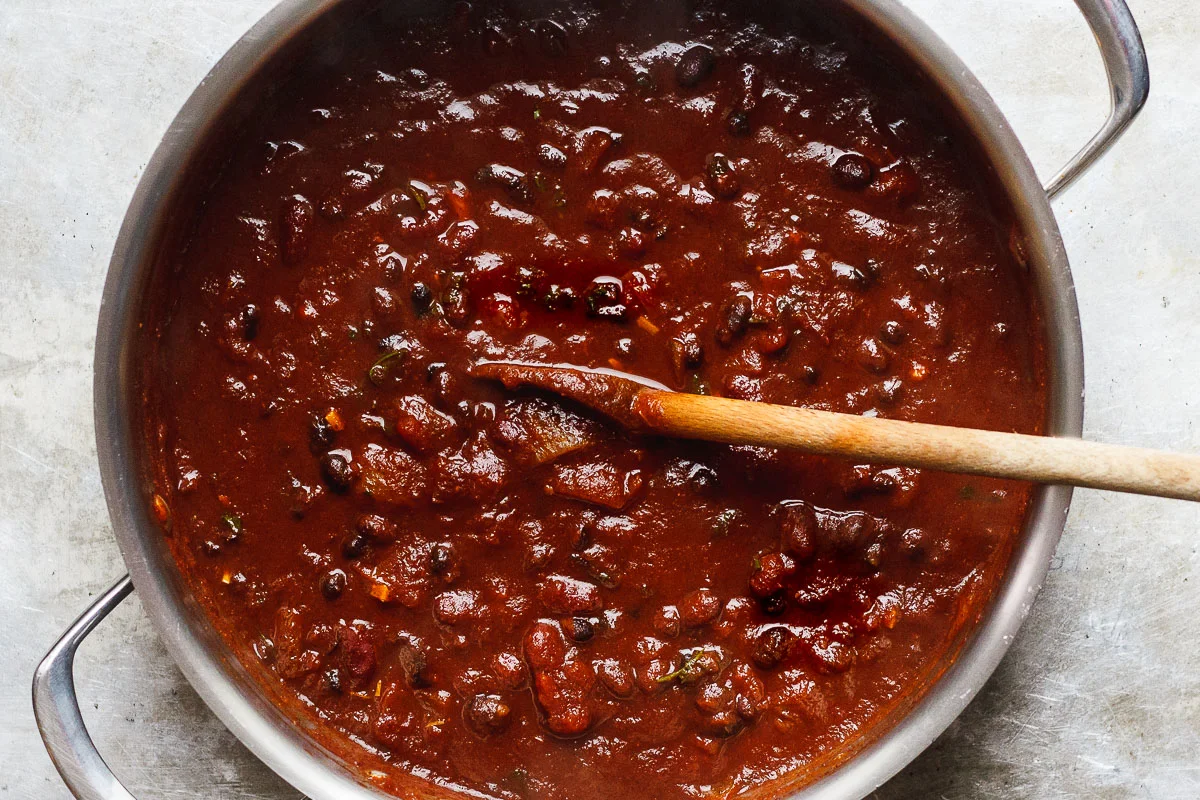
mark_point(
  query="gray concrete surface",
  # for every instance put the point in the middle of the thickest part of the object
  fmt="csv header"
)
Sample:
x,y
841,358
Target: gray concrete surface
x,y
1100,695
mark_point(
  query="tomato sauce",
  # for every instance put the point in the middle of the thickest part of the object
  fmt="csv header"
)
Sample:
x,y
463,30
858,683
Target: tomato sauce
x,y
501,592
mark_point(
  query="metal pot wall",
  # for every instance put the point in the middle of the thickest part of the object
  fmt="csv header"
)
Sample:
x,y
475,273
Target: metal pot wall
x,y
216,673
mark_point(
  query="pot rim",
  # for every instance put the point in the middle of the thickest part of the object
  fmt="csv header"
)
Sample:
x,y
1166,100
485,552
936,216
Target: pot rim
x,y
279,741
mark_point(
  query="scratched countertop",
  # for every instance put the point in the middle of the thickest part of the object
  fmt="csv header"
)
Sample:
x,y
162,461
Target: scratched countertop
x,y
1099,696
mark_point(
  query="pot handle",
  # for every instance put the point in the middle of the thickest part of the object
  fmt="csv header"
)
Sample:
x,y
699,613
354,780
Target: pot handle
x,y
56,707
1124,58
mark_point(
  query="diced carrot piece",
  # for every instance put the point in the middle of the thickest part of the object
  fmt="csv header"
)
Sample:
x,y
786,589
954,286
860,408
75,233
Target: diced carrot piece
x,y
645,324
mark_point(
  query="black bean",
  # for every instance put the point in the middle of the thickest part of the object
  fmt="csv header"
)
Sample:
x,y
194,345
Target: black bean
x,y
872,356
551,156
333,583
495,41
874,554
552,37
750,90
892,332
734,318
321,434
738,123
850,533
413,664
772,646
631,242
432,370
455,303
331,208
775,603
890,391
422,297
487,714
798,530
337,472
645,83
441,557
853,171
603,299
375,527
249,318
686,352
558,298
444,387
581,629
354,545
517,183
295,228
914,542
721,178
702,479
694,65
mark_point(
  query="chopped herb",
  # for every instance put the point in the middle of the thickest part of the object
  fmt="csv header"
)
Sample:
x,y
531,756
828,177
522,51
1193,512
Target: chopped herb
x,y
695,666
603,298
558,297
537,112
379,369
723,522
352,332
527,281
697,385
560,199
967,492
233,523
539,182
756,563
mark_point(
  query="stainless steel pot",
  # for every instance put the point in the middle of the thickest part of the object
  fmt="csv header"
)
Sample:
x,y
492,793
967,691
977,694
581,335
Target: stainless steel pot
x,y
216,673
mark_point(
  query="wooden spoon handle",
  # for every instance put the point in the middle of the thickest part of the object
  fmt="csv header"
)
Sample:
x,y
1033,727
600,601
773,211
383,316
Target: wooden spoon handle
x,y
1041,459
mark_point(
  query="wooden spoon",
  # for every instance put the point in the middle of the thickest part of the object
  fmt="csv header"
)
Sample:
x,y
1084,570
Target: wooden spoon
x,y
646,407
